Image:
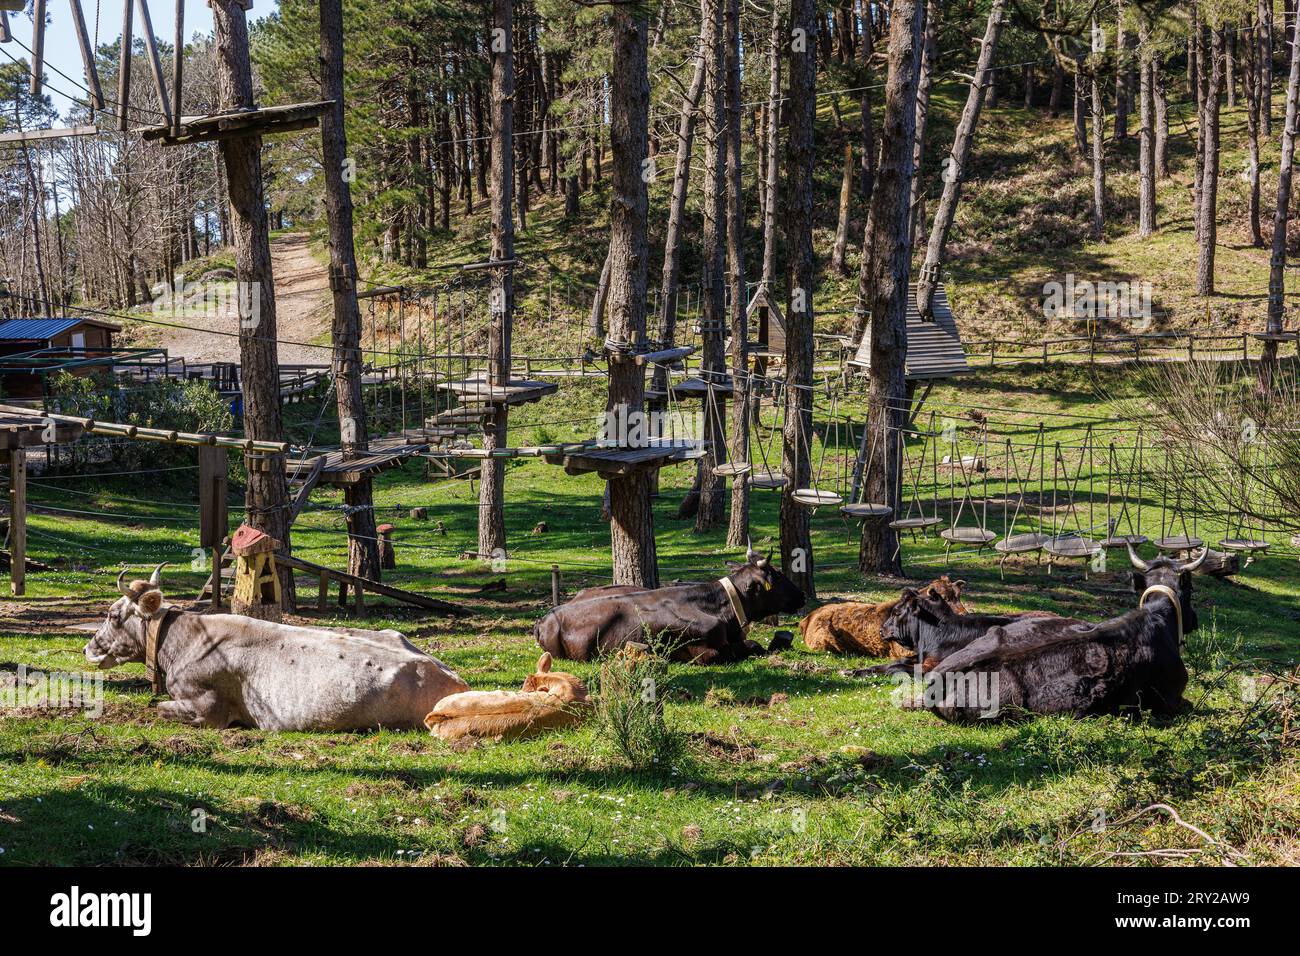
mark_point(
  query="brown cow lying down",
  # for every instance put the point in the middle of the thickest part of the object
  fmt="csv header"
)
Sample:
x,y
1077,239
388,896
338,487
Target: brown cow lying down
x,y
549,700
853,627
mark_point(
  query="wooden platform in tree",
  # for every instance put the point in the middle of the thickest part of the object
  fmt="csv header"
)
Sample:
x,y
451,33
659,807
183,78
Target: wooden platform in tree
x,y
234,123
934,349
699,388
519,391
615,462
23,431
383,454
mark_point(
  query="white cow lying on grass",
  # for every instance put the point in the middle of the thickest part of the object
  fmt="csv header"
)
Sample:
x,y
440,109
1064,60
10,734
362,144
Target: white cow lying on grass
x,y
223,669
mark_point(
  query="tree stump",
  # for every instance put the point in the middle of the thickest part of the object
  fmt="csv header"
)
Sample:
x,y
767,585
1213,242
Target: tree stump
x,y
387,559
420,514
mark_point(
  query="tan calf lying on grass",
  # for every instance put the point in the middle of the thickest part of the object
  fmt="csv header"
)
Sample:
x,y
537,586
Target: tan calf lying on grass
x,y
854,626
546,702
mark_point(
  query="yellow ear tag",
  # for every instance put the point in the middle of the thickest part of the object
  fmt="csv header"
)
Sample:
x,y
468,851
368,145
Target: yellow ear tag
x,y
767,585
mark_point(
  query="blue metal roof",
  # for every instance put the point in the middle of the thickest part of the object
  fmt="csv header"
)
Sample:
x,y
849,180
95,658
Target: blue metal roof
x,y
35,329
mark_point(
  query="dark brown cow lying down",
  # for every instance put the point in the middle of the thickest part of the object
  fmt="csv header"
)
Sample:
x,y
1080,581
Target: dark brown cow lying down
x,y
695,622
1064,666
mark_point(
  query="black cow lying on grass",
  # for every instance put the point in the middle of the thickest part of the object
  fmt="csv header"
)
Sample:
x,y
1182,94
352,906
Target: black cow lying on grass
x,y
702,623
1054,665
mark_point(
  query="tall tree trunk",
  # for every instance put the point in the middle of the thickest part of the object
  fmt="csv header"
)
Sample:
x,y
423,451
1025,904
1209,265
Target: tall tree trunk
x,y
686,123
714,314
772,143
631,518
838,264
925,80
1250,87
354,429
1058,89
491,498
1162,118
266,495
1098,155
955,167
738,527
1266,66
1121,75
1081,107
1208,232
1281,217
877,551
796,539
1147,139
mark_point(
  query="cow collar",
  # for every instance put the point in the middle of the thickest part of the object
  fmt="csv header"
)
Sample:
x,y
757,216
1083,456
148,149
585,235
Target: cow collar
x,y
737,606
1168,592
155,630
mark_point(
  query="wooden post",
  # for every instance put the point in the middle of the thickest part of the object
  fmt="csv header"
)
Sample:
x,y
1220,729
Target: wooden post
x,y
387,558
266,492
87,57
155,63
38,46
323,592
18,520
347,357
216,577
124,68
178,66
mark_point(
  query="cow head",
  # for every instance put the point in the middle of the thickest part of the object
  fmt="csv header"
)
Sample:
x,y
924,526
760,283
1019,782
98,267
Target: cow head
x,y
901,625
948,591
121,638
1170,573
764,589
560,685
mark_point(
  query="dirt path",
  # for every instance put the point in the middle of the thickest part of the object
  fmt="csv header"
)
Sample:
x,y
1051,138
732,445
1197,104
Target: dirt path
x,y
302,309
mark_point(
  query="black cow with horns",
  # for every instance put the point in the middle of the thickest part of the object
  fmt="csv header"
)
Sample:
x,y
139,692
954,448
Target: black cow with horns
x,y
1055,665
703,623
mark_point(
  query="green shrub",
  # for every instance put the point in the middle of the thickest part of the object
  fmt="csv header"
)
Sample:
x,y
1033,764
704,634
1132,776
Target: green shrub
x,y
630,711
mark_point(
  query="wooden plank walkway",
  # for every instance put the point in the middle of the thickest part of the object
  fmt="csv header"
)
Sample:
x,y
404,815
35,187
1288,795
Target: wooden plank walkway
x,y
338,471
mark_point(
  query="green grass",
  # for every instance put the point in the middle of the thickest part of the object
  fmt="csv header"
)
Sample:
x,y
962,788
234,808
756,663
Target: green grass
x,y
787,760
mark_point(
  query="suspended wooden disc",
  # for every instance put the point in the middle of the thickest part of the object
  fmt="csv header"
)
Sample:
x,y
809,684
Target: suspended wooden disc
x,y
768,479
731,469
812,498
1123,540
956,535
1176,543
1071,546
1244,544
921,523
1021,543
865,510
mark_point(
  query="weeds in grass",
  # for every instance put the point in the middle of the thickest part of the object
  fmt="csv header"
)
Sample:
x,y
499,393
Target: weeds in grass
x,y
630,710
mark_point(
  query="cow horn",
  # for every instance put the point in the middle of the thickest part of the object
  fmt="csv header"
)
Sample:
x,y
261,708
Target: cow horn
x,y
155,579
1132,556
750,554
120,586
1195,563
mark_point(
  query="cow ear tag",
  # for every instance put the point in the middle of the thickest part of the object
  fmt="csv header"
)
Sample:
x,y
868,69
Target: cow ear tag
x,y
767,585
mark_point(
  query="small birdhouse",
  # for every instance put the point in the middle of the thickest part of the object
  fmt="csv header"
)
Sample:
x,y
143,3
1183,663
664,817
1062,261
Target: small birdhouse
x,y
257,579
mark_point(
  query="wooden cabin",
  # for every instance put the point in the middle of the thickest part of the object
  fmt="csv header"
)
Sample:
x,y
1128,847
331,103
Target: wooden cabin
x,y
31,347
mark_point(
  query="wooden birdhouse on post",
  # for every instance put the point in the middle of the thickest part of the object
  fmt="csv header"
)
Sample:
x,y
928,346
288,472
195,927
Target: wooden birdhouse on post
x,y
257,580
